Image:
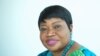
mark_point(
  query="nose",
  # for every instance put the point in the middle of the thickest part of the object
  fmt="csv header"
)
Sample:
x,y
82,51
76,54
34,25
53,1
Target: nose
x,y
51,33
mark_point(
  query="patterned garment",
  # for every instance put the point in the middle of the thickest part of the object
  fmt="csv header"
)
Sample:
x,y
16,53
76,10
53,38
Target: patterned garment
x,y
82,51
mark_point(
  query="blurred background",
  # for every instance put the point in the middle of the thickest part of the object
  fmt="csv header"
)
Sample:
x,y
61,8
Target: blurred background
x,y
19,34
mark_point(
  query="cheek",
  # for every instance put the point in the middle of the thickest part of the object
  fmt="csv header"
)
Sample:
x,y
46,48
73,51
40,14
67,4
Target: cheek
x,y
42,37
64,35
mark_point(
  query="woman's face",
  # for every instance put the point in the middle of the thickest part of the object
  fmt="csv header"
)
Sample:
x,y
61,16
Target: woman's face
x,y
54,34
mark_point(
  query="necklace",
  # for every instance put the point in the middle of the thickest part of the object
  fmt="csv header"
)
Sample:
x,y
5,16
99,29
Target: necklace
x,y
68,46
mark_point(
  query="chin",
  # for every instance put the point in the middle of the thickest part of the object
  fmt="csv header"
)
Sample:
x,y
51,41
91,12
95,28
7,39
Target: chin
x,y
53,49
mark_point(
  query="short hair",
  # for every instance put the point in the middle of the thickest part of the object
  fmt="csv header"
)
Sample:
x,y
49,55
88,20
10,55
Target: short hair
x,y
55,11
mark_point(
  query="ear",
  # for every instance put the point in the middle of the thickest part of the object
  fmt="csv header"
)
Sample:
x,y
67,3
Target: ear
x,y
71,27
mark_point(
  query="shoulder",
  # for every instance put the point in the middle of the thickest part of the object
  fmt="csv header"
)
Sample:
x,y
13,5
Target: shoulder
x,y
87,52
82,51
45,53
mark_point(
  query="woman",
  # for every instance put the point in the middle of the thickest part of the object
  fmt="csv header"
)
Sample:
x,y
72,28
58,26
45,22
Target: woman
x,y
55,25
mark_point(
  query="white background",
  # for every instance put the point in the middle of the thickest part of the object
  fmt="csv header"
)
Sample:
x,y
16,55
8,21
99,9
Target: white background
x,y
19,34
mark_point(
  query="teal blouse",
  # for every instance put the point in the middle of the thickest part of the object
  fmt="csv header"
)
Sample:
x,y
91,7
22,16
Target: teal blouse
x,y
82,51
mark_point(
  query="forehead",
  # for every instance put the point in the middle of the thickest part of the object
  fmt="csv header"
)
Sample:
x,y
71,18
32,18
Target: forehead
x,y
52,20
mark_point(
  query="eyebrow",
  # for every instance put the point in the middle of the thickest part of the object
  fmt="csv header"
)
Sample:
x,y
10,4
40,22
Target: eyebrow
x,y
57,22
52,23
42,25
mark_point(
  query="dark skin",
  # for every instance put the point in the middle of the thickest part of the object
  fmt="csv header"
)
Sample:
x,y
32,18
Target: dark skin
x,y
57,29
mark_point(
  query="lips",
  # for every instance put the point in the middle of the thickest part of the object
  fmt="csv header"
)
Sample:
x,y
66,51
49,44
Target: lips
x,y
51,42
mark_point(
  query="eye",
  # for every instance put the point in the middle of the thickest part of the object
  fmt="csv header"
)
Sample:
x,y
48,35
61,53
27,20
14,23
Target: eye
x,y
43,29
57,26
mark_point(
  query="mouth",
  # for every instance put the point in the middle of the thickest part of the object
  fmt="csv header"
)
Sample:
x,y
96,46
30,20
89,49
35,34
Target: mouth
x,y
51,42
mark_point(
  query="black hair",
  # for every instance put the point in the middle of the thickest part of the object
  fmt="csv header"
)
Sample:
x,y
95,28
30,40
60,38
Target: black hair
x,y
55,11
